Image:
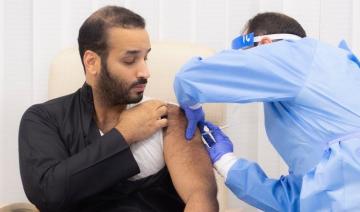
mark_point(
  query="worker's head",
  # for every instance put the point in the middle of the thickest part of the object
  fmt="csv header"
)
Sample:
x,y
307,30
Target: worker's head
x,y
270,23
113,46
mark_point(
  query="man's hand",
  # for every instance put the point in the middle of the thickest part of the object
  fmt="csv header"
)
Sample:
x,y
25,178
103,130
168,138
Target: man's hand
x,y
194,116
142,121
220,146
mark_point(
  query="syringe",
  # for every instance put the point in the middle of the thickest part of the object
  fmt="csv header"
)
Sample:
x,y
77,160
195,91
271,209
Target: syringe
x,y
221,127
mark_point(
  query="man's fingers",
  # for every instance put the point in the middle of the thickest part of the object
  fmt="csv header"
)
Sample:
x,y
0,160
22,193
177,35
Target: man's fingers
x,y
162,123
158,103
161,111
153,103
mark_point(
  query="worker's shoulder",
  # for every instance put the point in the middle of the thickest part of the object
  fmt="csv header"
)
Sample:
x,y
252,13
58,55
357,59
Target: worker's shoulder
x,y
303,43
309,40
317,44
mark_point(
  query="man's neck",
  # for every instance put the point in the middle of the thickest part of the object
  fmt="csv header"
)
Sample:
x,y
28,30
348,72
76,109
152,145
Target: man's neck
x,y
106,117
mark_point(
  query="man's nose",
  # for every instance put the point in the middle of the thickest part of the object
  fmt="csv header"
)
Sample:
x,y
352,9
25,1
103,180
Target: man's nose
x,y
144,71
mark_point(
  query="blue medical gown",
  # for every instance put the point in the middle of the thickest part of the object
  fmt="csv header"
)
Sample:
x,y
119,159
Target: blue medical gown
x,y
310,94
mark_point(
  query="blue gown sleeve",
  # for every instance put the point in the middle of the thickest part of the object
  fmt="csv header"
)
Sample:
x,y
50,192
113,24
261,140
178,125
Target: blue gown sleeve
x,y
249,183
272,72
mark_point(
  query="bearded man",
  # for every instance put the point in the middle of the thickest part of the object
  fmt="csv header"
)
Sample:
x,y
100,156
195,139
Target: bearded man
x,y
104,148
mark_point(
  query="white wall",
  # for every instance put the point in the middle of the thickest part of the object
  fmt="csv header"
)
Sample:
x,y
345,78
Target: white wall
x,y
33,31
2,144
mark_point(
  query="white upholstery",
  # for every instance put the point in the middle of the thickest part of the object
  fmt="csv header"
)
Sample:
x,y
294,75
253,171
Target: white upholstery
x,y
18,207
66,73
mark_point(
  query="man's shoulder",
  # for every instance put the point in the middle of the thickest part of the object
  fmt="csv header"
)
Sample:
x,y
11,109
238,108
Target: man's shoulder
x,y
144,99
51,107
147,98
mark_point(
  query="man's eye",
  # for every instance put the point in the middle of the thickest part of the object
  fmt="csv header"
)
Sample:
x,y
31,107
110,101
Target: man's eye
x,y
129,62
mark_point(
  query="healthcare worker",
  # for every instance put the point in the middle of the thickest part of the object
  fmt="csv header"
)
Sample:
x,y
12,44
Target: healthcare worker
x,y
312,114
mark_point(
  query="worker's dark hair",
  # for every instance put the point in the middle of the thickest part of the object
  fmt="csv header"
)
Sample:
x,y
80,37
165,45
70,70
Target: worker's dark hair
x,y
272,23
93,32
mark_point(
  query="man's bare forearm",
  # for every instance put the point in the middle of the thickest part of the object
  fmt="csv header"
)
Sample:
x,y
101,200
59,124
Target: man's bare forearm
x,y
189,165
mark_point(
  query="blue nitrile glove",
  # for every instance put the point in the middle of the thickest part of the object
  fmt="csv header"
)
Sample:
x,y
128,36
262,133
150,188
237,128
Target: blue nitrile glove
x,y
220,146
194,117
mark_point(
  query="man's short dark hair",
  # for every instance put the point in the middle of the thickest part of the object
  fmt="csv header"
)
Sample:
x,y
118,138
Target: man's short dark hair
x,y
93,32
273,23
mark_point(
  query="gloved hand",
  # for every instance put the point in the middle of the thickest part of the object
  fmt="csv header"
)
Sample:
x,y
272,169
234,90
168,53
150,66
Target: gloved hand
x,y
194,117
220,146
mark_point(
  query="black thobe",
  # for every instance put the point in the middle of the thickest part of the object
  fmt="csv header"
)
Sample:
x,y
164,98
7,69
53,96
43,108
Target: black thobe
x,y
66,165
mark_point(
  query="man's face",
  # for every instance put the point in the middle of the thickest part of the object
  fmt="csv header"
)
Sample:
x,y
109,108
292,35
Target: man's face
x,y
124,72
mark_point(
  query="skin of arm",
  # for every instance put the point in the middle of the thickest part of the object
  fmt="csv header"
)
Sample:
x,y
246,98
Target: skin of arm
x,y
189,165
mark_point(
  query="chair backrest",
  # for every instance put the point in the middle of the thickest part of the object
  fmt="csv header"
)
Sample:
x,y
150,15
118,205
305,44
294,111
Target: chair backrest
x,y
19,207
165,59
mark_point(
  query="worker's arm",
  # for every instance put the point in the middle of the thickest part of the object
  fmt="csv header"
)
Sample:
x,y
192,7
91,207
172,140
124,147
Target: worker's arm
x,y
266,73
189,165
248,181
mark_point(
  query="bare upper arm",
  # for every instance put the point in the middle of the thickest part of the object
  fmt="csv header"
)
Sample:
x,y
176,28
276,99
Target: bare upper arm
x,y
187,161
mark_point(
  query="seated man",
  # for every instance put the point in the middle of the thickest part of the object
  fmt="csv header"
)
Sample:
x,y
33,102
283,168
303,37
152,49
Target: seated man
x,y
94,150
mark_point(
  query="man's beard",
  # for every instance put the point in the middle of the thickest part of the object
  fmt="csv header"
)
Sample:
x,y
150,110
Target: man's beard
x,y
115,91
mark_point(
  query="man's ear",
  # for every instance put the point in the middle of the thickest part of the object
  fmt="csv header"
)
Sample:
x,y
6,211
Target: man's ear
x,y
265,40
92,62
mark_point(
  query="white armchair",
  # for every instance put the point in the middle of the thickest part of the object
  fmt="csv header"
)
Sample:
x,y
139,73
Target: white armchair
x,y
165,59
18,207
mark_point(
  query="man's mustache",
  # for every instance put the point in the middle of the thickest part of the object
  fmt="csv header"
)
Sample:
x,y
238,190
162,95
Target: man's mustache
x,y
139,82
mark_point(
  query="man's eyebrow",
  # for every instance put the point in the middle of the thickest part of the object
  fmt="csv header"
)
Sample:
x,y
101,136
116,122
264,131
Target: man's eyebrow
x,y
134,52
